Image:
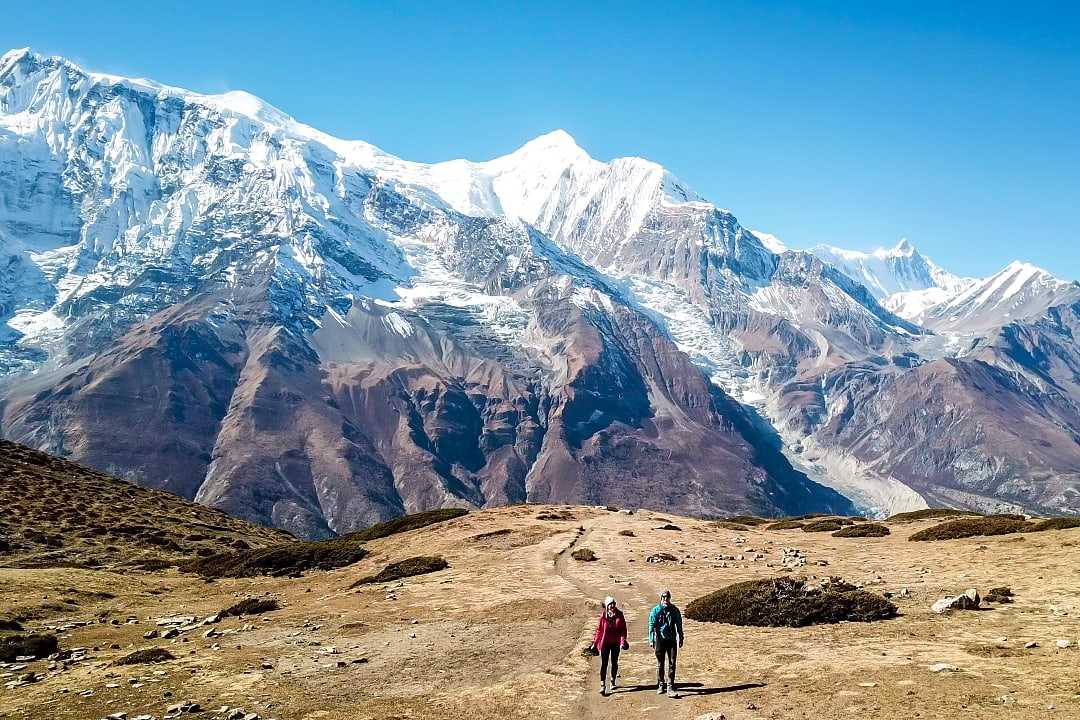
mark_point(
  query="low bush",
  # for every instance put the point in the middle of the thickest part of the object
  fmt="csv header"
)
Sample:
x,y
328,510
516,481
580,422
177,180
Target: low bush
x,y
987,525
251,606
785,525
669,526
583,555
930,514
751,520
406,523
828,525
293,558
788,602
35,646
1058,523
9,625
406,568
146,657
1000,595
861,531
732,526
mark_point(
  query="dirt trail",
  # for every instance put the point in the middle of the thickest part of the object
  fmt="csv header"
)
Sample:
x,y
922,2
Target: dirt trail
x,y
637,666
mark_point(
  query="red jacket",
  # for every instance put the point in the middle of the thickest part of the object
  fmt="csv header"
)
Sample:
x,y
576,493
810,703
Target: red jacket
x,y
610,633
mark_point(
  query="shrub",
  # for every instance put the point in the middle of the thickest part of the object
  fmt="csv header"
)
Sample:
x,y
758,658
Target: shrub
x,y
9,625
583,555
785,525
751,520
291,558
627,533
732,526
406,523
822,526
859,531
669,526
930,514
788,602
251,606
145,657
972,527
1058,523
1000,595
36,646
406,568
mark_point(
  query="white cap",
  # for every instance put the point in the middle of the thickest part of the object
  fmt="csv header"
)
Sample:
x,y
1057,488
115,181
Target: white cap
x,y
608,600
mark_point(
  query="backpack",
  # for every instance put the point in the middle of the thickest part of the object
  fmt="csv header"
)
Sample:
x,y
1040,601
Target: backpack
x,y
665,623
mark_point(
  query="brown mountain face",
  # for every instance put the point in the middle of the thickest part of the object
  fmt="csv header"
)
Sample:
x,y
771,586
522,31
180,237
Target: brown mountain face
x,y
385,412
961,432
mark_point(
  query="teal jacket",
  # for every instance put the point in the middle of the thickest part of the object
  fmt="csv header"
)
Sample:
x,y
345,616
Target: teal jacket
x,y
665,623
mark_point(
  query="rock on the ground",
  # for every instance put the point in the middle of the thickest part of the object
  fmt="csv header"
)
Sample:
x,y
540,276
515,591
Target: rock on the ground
x,y
969,600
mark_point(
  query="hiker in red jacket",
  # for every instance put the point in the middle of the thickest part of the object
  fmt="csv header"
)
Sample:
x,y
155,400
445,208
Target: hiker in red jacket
x,y
609,639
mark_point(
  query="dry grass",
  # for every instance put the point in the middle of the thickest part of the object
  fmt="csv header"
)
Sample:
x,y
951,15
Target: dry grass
x,y
1058,523
421,565
828,525
289,559
406,523
59,513
930,514
251,606
862,531
789,602
785,525
988,525
146,657
751,520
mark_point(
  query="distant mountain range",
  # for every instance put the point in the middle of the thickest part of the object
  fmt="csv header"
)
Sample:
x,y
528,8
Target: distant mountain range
x,y
200,294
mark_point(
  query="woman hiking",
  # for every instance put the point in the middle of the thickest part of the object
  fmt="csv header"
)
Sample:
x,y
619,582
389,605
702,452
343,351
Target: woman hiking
x,y
609,639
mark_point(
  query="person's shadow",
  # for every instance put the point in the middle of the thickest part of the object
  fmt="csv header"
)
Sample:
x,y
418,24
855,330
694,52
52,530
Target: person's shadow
x,y
691,688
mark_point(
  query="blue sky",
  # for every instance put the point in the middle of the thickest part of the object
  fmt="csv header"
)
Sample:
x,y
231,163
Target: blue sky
x,y
952,124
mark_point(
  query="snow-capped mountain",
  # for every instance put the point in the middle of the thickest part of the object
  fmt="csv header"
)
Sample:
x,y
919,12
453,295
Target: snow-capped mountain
x,y
202,294
898,269
1020,291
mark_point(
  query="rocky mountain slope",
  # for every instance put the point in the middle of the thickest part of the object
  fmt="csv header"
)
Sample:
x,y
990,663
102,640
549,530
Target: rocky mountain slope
x,y
203,295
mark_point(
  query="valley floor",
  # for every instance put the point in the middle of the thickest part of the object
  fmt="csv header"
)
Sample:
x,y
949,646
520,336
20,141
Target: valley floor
x,y
499,634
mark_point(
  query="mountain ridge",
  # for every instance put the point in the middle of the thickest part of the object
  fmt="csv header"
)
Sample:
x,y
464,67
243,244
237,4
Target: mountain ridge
x,y
321,335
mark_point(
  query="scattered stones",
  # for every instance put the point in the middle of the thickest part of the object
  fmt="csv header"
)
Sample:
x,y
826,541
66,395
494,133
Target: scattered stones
x,y
1031,645
661,558
174,711
1063,644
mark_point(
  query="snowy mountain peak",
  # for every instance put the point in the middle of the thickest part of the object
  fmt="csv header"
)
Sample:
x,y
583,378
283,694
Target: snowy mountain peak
x,y
557,142
11,57
770,241
904,248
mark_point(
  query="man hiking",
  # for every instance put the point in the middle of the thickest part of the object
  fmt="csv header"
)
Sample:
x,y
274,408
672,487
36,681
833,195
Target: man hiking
x,y
665,637
609,639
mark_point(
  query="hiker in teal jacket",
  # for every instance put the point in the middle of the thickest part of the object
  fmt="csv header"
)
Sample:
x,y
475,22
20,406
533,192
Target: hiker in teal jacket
x,y
665,637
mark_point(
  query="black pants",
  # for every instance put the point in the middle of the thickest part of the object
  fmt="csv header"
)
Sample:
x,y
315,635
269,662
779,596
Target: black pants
x,y
605,653
666,649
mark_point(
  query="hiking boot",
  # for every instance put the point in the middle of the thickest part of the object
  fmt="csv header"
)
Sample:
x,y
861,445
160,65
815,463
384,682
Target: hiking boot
x,y
660,689
671,692
603,688
614,683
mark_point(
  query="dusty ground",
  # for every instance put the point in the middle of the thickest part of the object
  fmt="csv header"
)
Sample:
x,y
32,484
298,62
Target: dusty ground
x,y
499,634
